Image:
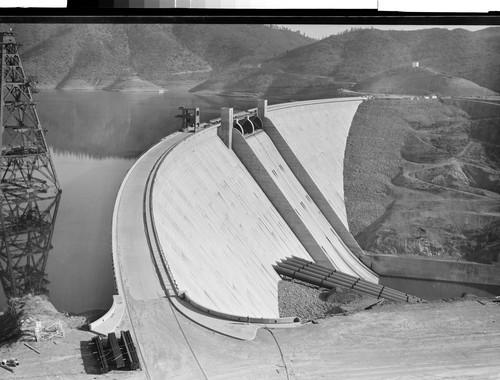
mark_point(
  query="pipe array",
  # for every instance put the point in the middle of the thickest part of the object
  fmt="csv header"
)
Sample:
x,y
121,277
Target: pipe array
x,y
312,273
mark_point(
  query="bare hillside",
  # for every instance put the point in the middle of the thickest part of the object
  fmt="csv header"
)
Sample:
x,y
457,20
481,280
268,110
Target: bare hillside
x,y
423,178
421,81
468,61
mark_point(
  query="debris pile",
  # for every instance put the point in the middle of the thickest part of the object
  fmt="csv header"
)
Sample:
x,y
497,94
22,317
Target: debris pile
x,y
32,318
298,299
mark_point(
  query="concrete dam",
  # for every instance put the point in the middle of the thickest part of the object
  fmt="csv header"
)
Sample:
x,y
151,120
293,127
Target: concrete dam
x,y
200,224
231,200
204,222
206,215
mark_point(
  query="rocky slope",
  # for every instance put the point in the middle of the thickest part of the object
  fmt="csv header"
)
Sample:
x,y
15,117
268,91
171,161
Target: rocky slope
x,y
423,178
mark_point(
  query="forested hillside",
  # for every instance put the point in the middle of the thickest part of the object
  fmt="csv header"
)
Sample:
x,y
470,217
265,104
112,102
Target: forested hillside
x,y
98,55
341,61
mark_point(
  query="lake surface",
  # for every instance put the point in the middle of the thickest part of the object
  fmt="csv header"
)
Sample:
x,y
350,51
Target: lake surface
x,y
95,137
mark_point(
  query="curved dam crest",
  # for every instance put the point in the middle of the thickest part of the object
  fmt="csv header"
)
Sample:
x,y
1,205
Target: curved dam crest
x,y
220,227
190,213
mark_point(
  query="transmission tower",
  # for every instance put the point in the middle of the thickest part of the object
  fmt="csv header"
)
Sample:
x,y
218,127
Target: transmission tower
x,y
26,168
26,235
29,189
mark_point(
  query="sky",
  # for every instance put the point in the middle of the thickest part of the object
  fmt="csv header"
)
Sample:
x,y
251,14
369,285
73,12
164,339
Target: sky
x,y
322,31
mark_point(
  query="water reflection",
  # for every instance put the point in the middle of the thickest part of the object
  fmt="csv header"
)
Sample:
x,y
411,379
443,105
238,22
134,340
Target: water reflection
x,y
27,227
94,137
80,266
101,123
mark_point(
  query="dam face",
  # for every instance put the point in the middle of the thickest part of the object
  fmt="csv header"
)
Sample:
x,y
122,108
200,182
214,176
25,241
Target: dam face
x,y
317,134
195,217
223,218
219,232
272,173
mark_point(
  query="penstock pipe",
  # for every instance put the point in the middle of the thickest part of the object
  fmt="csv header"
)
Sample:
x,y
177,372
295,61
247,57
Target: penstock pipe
x,y
385,290
329,283
348,282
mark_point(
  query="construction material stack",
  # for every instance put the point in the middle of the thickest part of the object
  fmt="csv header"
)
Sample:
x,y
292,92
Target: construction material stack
x,y
114,353
303,270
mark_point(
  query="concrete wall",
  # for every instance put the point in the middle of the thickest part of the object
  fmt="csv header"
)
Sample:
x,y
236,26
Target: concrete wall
x,y
219,232
438,270
259,155
319,187
436,279
316,132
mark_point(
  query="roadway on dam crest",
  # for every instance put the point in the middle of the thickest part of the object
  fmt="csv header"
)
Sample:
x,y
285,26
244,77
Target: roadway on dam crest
x,y
136,276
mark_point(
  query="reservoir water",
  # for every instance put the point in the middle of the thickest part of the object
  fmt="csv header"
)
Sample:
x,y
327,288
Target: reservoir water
x,y
95,136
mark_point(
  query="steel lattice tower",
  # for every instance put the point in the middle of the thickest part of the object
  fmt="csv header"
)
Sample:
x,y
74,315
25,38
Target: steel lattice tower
x,y
26,233
25,163
29,189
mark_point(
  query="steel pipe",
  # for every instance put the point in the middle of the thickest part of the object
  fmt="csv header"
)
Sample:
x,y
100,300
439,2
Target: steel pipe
x,y
318,267
329,283
328,278
351,282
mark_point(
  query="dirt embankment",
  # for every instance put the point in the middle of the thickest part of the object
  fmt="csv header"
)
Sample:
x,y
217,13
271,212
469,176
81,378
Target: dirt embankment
x,y
423,178
308,302
64,353
18,321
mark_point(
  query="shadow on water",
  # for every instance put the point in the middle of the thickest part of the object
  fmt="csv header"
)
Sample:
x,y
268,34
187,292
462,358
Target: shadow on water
x,y
27,227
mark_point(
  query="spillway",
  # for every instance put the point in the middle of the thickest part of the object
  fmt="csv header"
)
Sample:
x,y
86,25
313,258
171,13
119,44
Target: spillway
x,y
311,136
218,231
316,132
267,166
